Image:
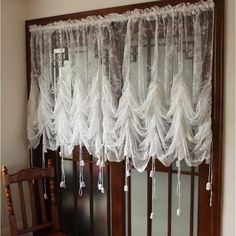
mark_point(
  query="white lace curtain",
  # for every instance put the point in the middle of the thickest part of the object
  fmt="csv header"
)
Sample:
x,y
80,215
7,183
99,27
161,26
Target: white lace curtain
x,y
128,86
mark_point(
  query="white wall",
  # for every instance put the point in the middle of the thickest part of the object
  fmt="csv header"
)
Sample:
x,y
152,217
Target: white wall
x,y
13,90
228,201
44,8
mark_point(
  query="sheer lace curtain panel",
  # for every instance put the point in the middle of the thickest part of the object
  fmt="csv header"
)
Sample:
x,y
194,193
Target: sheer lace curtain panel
x,y
96,83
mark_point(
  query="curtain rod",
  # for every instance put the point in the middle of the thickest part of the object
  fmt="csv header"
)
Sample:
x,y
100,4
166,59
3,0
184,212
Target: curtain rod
x,y
186,8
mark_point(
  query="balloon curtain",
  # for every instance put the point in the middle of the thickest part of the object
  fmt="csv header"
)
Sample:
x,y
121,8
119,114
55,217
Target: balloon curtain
x,y
130,86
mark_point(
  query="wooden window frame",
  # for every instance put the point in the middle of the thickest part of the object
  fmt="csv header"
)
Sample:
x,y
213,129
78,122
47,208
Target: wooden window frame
x,y
210,227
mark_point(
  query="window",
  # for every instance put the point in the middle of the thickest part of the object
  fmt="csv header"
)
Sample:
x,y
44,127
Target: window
x,y
118,213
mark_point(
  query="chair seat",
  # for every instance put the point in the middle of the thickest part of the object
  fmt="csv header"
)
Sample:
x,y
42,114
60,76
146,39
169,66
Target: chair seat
x,y
57,234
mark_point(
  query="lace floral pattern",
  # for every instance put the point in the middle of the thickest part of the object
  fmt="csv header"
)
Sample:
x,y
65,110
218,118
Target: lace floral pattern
x,y
135,85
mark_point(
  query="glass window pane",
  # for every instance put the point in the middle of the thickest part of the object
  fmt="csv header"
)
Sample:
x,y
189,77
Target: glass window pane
x,y
184,166
68,199
83,211
181,224
160,205
139,203
100,204
195,212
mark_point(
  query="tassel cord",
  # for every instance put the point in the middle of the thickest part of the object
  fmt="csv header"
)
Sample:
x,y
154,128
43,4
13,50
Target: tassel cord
x,y
101,172
63,177
178,187
127,174
152,175
44,180
209,183
81,171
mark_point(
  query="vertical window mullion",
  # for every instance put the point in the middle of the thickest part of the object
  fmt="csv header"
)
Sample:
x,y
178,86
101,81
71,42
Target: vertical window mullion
x,y
129,207
191,202
91,195
75,193
149,202
204,210
169,200
108,199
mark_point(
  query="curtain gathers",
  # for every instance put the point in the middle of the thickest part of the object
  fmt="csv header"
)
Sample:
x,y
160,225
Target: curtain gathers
x,y
126,86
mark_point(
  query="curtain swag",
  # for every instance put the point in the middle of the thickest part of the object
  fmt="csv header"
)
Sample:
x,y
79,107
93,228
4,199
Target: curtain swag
x,y
130,86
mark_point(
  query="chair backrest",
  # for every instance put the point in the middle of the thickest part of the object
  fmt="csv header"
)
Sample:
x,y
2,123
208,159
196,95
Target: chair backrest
x,y
34,177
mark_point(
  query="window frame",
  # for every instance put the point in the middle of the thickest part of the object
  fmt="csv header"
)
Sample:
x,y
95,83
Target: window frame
x,y
210,227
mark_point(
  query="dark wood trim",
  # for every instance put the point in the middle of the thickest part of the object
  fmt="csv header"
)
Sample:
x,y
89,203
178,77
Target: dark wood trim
x,y
129,222
75,193
149,180
108,178
217,123
204,210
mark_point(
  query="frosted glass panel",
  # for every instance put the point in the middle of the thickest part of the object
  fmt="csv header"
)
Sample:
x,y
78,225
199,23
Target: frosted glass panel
x,y
184,166
68,199
100,204
160,221
139,203
181,224
83,211
195,212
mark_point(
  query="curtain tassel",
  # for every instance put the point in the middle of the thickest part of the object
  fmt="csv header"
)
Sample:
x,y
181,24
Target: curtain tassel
x,y
209,181
101,164
45,196
178,187
152,175
81,172
127,174
100,176
63,177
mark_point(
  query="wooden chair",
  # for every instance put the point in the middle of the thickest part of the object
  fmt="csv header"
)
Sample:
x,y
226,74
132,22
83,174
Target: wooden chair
x,y
34,177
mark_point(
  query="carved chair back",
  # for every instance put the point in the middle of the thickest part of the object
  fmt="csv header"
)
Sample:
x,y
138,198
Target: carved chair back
x,y
34,178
